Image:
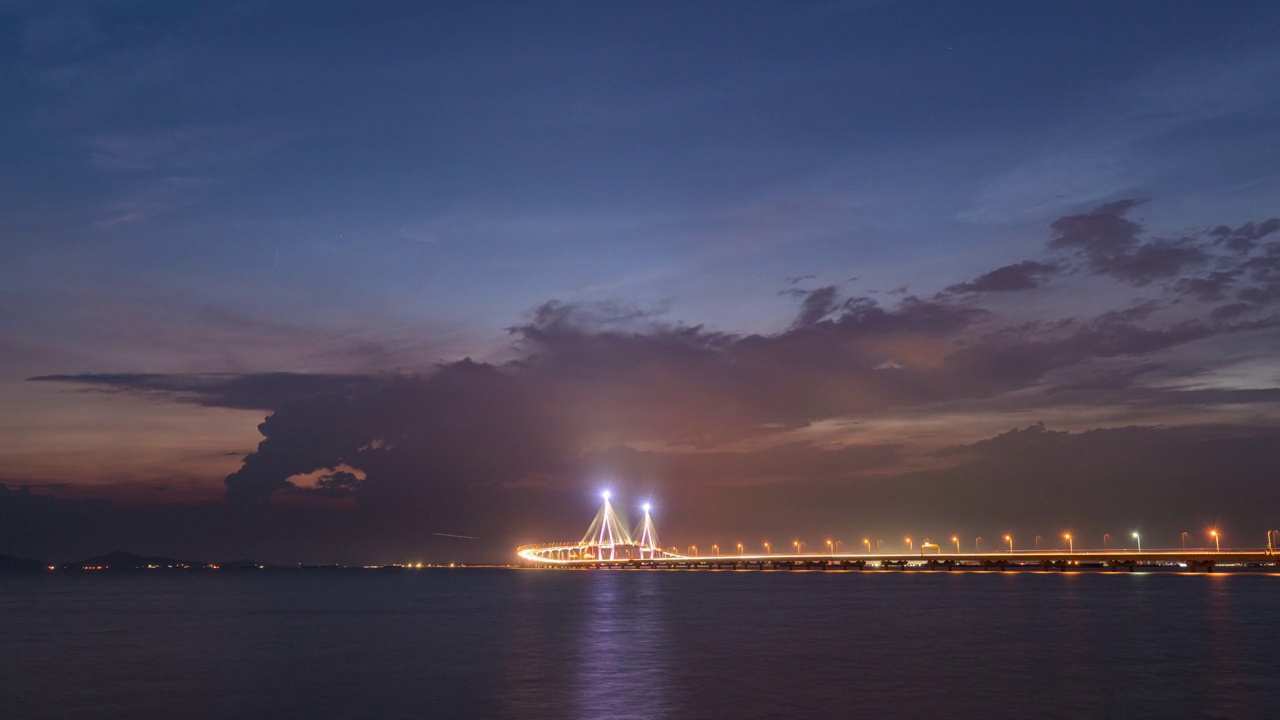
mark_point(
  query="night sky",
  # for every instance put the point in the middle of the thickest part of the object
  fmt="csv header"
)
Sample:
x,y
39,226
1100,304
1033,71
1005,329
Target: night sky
x,y
330,281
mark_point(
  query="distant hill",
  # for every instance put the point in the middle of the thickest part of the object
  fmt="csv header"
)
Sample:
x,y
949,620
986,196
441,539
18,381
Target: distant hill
x,y
9,564
246,564
120,560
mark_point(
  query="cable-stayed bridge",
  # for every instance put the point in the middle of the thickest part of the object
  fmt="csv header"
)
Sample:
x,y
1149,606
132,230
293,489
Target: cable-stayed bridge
x,y
606,540
608,544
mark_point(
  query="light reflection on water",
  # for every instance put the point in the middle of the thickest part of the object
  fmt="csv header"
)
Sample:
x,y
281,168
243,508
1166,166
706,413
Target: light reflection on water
x,y
625,644
621,669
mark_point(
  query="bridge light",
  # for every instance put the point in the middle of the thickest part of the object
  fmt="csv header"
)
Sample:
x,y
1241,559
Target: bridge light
x,y
646,507
606,495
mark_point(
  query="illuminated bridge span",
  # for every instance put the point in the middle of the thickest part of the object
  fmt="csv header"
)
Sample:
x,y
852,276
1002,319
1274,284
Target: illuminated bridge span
x,y
607,544
606,541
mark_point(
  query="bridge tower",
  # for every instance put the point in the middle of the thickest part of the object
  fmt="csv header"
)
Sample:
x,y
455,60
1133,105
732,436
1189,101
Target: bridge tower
x,y
648,536
606,531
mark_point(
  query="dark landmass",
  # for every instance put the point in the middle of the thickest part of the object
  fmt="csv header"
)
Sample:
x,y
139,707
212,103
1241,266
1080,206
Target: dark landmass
x,y
121,560
246,564
10,564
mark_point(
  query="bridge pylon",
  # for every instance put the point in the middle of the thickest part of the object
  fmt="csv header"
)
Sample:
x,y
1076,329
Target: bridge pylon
x,y
606,531
648,536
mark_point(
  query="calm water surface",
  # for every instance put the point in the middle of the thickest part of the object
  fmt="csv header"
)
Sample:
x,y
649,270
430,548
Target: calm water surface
x,y
627,644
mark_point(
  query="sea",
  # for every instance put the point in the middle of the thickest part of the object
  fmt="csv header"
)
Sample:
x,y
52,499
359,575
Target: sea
x,y
606,644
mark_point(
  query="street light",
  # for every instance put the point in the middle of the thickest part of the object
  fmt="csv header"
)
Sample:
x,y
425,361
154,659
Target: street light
x,y
878,541
739,549
767,547
1184,539
1138,537
693,550
955,539
1105,538
909,547
1009,539
867,542
1071,544
1216,546
716,550
831,547
799,546
1037,543
977,544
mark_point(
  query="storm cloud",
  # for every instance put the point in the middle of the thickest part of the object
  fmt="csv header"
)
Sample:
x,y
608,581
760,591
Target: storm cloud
x,y
834,405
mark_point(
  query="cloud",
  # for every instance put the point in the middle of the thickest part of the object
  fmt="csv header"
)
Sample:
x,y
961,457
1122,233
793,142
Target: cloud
x,y
1103,234
1157,260
591,376
607,389
817,305
1129,466
1111,244
1025,275
337,483
1264,272
249,391
1207,288
583,392
1245,238
1252,271
1029,480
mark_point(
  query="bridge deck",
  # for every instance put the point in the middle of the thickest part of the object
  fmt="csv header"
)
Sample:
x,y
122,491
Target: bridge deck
x,y
1115,559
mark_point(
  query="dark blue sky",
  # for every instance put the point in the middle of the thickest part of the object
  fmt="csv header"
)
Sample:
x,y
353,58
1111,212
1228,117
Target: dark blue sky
x,y
363,188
